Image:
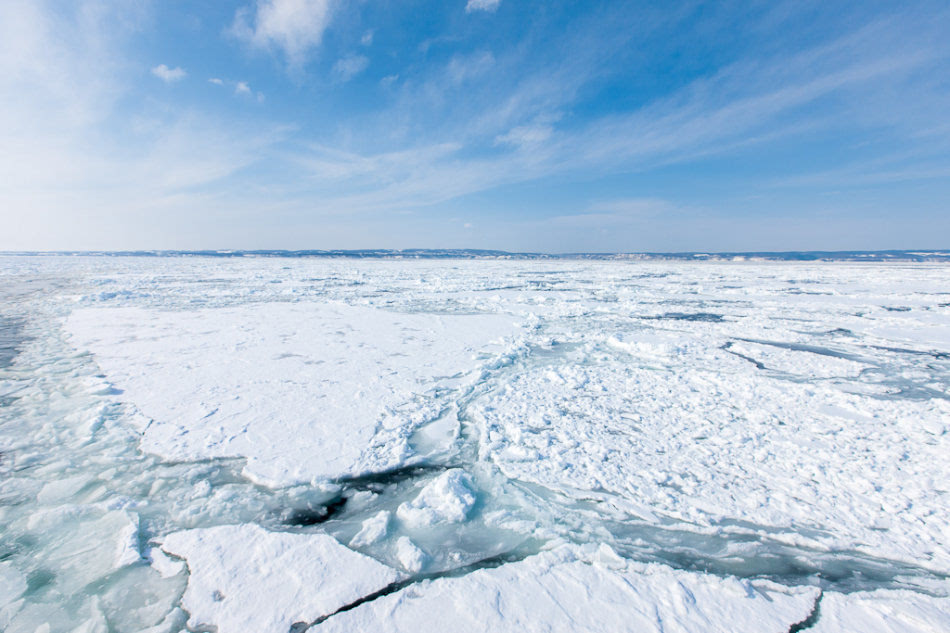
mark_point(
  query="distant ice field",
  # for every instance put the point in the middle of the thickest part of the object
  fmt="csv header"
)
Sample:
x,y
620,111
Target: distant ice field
x,y
316,444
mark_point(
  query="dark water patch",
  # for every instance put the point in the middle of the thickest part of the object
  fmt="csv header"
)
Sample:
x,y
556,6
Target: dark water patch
x,y
313,515
812,618
897,308
386,478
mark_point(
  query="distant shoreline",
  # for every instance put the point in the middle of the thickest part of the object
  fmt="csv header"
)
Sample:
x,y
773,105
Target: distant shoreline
x,y
917,255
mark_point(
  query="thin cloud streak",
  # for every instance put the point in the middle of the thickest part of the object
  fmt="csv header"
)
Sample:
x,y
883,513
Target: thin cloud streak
x,y
743,104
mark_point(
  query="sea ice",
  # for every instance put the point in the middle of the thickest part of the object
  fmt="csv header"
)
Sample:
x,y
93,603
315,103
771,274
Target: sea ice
x,y
882,611
409,555
372,530
446,499
782,421
243,578
707,437
303,391
12,586
567,590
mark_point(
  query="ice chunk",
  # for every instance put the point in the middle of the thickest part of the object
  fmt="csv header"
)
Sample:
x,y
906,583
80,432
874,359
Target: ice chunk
x,y
410,556
446,499
564,591
127,542
274,382
244,578
883,611
373,529
165,565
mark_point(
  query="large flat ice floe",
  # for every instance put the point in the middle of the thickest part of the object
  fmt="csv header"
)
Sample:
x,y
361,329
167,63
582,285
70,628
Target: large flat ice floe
x,y
567,590
303,391
243,578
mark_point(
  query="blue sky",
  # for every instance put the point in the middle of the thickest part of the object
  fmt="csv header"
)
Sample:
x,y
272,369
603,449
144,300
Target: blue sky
x,y
520,125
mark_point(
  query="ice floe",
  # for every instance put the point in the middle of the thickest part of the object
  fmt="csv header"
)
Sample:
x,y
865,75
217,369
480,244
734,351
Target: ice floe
x,y
566,590
882,611
244,578
303,391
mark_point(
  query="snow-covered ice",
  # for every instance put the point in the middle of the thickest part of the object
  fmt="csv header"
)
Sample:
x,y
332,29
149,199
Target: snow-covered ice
x,y
564,590
883,611
303,391
409,555
510,445
446,499
243,578
373,530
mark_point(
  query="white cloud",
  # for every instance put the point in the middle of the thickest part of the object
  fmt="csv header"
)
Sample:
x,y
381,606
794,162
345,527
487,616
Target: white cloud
x,y
293,26
349,67
216,81
241,88
169,75
482,5
367,38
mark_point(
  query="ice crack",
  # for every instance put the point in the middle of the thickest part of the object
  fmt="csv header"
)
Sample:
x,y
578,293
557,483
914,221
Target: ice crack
x,y
485,563
812,618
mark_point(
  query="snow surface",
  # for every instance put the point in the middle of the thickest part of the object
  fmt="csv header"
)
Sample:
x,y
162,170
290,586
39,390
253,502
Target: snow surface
x,y
304,392
563,590
726,431
882,611
244,578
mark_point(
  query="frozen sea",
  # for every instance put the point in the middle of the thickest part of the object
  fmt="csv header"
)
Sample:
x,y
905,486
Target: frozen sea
x,y
256,445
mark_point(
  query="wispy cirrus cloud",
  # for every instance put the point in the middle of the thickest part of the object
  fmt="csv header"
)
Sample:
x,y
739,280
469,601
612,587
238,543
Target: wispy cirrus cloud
x,y
349,67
